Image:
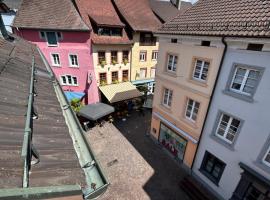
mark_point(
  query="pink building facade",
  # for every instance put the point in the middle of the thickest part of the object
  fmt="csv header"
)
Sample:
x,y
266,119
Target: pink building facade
x,y
70,56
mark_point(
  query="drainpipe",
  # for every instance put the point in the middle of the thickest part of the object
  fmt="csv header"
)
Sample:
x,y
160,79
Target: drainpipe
x,y
211,98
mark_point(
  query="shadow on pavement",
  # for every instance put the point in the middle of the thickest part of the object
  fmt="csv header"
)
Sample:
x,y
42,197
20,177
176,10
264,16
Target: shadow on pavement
x,y
163,185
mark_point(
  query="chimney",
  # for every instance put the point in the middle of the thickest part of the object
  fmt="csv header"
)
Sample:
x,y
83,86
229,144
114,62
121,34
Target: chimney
x,y
178,4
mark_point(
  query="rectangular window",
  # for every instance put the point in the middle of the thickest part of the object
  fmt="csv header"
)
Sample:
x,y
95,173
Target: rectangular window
x,y
266,158
153,72
63,80
102,78
101,57
167,97
172,63
192,109
114,57
143,56
245,80
143,72
114,77
55,59
212,167
206,43
69,80
255,47
227,128
125,75
73,60
51,38
154,55
125,57
147,39
201,70
173,40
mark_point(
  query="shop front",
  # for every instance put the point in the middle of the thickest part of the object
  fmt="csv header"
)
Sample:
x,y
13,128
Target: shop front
x,y
172,142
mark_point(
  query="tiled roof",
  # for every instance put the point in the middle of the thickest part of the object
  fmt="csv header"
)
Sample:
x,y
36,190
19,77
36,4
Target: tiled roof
x,y
223,18
102,12
166,10
49,14
59,164
13,4
138,14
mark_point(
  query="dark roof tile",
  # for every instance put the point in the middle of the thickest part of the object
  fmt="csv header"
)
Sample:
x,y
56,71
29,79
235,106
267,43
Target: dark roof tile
x,y
49,14
222,17
138,14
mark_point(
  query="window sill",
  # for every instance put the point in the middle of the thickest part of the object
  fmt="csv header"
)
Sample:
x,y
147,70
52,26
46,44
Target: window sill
x,y
51,45
239,96
197,82
172,74
223,143
209,177
74,66
56,66
193,124
167,108
259,163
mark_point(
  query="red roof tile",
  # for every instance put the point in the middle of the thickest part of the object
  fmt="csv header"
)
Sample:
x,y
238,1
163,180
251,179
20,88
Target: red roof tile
x,y
138,14
102,13
223,17
49,14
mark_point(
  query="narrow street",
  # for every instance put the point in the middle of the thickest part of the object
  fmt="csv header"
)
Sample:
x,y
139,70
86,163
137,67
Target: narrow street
x,y
136,167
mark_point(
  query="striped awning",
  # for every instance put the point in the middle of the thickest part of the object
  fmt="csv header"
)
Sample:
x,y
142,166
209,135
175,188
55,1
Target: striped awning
x,y
119,92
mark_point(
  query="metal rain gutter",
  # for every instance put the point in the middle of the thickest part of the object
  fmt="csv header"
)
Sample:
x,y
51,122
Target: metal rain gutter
x,y
97,182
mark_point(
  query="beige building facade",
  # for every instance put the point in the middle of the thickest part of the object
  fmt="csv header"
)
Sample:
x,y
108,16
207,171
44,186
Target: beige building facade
x,y
111,63
186,72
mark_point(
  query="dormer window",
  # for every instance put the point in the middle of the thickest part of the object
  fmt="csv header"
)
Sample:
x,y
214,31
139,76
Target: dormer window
x,y
109,31
51,37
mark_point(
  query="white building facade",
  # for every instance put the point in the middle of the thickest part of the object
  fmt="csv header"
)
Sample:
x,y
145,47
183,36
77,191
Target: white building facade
x,y
233,157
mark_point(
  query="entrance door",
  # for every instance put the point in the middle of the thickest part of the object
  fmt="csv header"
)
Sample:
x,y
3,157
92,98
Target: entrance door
x,y
172,142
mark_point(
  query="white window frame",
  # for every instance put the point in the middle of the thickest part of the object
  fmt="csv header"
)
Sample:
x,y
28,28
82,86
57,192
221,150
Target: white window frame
x,y
151,72
52,59
201,70
170,95
67,82
192,110
227,129
70,60
174,68
144,53
264,157
244,81
154,55
46,38
145,74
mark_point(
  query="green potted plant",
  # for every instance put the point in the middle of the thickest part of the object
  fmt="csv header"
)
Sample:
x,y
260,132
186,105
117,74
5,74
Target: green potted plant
x,y
103,83
125,61
103,63
115,81
76,104
114,62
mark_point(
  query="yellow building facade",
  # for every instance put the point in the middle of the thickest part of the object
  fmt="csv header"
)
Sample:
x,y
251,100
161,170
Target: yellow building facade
x,y
144,55
185,76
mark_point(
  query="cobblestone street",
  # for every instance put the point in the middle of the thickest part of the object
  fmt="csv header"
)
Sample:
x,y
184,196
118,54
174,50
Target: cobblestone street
x,y
136,167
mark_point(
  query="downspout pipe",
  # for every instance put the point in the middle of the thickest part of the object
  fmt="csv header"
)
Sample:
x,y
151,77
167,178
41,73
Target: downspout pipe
x,y
211,98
